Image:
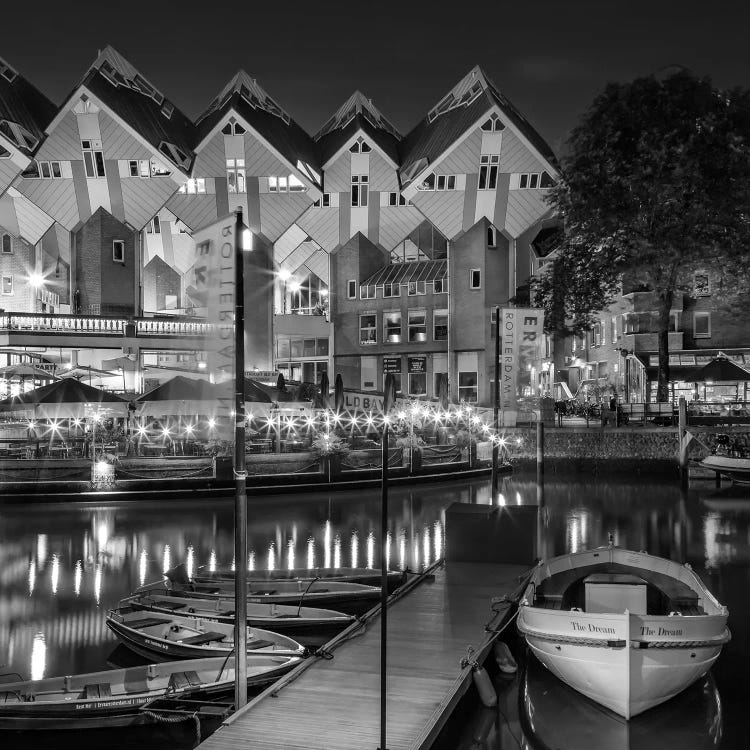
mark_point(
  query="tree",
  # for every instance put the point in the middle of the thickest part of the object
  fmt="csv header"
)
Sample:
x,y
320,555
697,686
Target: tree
x,y
656,185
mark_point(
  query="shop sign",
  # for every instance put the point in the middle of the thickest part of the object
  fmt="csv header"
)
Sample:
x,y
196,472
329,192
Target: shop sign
x,y
417,365
392,365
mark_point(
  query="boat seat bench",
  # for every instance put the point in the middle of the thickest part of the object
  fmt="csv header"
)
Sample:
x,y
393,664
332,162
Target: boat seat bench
x,y
182,680
94,690
146,622
201,638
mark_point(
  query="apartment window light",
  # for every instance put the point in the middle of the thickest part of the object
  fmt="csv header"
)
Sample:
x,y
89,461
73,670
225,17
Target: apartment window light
x,y
156,169
296,185
417,326
236,175
428,183
118,251
368,331
7,284
392,327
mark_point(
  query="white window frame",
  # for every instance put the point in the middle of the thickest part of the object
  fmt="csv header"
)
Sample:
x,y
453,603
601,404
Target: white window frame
x,y
496,125
360,196
435,314
351,289
372,330
194,186
392,326
391,290
411,326
367,291
3,245
324,201
491,236
440,286
236,174
416,288
462,389
95,162
396,199
154,226
703,316
2,285
489,166
478,285
121,245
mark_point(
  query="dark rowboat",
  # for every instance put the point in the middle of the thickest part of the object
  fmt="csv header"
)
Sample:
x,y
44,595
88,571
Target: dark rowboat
x,y
170,637
311,626
352,598
115,698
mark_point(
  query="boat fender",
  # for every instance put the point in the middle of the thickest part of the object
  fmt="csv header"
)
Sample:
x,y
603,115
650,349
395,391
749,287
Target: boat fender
x,y
191,610
486,691
674,613
175,628
483,726
576,609
504,658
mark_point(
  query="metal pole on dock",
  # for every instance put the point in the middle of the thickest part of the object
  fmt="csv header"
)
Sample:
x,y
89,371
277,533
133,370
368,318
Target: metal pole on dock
x,y
496,409
388,399
539,449
240,476
682,440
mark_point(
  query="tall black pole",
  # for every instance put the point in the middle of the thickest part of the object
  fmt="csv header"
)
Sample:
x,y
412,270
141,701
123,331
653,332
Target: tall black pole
x,y
495,444
384,560
240,489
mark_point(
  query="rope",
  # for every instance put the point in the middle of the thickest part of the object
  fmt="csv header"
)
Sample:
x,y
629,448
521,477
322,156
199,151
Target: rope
x,y
178,719
150,475
619,643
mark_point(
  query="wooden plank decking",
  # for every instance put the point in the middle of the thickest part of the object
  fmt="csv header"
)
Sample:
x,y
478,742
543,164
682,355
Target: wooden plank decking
x,y
335,704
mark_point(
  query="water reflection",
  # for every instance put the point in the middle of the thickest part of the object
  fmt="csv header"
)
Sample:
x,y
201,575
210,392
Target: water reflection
x,y
55,573
78,577
38,657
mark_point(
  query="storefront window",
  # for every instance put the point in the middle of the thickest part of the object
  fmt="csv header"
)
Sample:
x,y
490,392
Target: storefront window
x,y
467,386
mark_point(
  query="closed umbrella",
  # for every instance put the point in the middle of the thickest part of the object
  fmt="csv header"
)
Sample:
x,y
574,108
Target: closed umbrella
x,y
442,393
324,388
281,383
338,394
718,370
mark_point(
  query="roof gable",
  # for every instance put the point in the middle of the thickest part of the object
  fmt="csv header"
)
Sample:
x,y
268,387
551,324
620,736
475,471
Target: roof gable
x,y
357,113
24,106
248,100
450,119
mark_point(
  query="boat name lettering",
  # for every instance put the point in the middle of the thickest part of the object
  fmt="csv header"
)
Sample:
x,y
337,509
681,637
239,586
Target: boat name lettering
x,y
591,628
107,704
157,644
661,630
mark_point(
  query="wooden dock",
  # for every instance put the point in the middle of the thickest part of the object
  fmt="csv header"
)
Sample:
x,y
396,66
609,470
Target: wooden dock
x,y
334,703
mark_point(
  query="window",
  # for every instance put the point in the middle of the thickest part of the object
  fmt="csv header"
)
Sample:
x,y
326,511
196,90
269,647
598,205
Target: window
x,y
367,291
493,125
4,153
351,289
7,244
417,383
158,169
7,284
359,189
118,251
475,279
428,183
440,325
236,175
392,327
701,284
324,201
488,166
194,186
445,182
531,181
417,288
139,168
396,199
49,170
702,325
233,128
174,154
360,146
491,237
613,328
93,158
417,325
18,135
284,184
467,386
154,226
440,286
368,332
391,290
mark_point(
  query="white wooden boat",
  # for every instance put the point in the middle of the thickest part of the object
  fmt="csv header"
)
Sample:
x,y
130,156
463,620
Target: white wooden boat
x,y
626,629
737,468
170,637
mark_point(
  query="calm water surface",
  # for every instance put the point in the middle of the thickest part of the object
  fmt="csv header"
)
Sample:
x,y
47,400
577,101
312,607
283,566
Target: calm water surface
x,y
62,567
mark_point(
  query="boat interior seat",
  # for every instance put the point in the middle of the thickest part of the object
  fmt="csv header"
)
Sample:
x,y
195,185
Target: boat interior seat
x,y
11,696
267,592
201,638
146,622
686,606
96,690
259,643
183,680
171,605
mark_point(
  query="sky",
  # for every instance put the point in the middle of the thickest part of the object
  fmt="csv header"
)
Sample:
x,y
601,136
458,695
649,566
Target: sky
x,y
549,58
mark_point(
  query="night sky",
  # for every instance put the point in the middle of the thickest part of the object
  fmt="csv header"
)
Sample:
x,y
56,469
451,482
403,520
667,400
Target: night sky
x,y
549,58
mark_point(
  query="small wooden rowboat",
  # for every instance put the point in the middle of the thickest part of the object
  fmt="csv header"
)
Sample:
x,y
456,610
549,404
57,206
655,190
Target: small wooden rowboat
x,y
352,598
115,698
368,576
311,626
171,637
626,629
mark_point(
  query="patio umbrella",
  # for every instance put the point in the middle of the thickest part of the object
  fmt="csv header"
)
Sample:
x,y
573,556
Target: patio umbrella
x,y
25,370
442,393
178,397
83,372
718,370
281,383
338,394
324,388
65,399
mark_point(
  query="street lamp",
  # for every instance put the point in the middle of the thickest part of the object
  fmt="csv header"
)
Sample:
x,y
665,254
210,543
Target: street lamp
x,y
294,288
36,282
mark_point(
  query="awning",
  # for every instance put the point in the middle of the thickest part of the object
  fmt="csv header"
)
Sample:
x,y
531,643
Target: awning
x,y
403,273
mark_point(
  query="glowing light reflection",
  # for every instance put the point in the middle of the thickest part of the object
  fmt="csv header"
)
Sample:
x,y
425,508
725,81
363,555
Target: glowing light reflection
x,y
402,550
327,545
32,577
98,583
142,566
212,562
518,498
271,557
426,546
38,657
41,550
167,559
310,553
371,550
55,573
251,560
354,548
438,531
77,577
337,552
190,563
290,554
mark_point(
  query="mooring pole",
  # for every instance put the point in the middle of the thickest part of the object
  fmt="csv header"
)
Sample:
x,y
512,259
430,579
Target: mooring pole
x,y
539,449
496,409
682,441
240,487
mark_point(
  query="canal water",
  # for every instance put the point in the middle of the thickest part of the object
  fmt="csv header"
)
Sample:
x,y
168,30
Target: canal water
x,y
63,566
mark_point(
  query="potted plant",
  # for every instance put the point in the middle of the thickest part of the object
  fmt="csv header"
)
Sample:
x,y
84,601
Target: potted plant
x,y
329,450
411,446
221,457
467,444
103,469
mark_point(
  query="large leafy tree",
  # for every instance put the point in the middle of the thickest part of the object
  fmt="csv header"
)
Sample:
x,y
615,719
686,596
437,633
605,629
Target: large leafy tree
x,y
656,185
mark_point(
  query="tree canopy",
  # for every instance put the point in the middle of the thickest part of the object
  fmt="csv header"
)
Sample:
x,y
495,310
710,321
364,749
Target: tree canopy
x,y
655,186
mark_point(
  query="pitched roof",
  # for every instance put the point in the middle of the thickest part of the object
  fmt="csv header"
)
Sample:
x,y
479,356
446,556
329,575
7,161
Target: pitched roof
x,y
357,113
403,273
453,115
142,106
23,104
245,96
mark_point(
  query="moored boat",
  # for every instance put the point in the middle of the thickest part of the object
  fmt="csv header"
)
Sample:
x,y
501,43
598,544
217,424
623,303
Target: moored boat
x,y
352,598
737,468
117,697
170,637
627,629
311,626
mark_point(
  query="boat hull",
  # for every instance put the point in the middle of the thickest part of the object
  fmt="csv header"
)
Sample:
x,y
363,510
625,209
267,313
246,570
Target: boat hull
x,y
737,469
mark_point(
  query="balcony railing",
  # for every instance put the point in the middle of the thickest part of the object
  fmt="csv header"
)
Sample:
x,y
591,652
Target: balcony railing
x,y
102,326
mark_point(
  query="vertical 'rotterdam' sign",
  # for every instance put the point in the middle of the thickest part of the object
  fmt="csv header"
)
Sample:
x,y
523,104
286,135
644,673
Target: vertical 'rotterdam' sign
x,y
521,351
214,285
